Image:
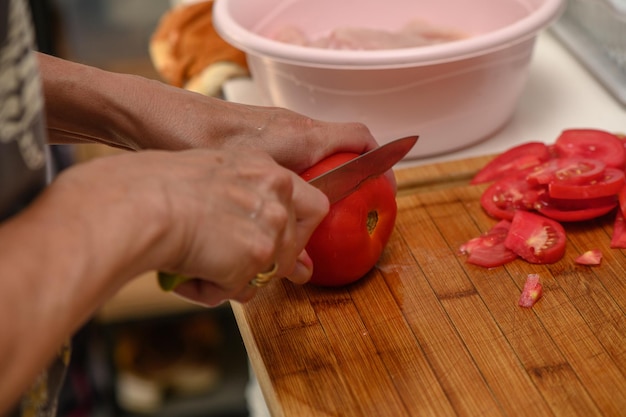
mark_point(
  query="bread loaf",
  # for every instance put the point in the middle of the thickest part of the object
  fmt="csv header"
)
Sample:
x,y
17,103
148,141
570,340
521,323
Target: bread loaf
x,y
187,52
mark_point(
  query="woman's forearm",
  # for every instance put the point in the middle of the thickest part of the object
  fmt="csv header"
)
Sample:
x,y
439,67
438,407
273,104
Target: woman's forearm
x,y
60,260
79,105
87,104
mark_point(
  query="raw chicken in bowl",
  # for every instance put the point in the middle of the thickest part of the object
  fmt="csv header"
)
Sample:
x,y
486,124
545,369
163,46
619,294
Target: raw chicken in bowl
x,y
455,88
415,33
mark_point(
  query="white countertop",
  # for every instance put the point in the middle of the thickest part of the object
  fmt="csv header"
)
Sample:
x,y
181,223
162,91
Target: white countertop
x,y
560,94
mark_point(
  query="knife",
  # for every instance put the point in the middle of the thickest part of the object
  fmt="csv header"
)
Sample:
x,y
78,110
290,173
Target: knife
x,y
337,183
343,180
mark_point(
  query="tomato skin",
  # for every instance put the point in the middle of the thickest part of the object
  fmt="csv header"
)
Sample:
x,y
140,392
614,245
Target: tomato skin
x,y
592,143
575,215
618,239
536,238
621,197
571,210
518,158
344,247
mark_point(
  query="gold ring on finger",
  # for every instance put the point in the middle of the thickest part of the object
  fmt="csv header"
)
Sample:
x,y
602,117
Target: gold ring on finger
x,y
263,278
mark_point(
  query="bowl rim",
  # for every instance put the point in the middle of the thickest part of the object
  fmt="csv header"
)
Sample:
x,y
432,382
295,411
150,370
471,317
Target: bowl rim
x,y
481,44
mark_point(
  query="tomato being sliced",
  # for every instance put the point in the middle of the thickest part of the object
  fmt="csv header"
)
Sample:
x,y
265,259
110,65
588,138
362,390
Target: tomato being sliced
x,y
536,238
592,143
488,249
518,158
609,184
567,170
351,238
502,198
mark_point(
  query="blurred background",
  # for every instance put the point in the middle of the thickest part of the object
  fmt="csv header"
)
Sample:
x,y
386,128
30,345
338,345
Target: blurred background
x,y
146,353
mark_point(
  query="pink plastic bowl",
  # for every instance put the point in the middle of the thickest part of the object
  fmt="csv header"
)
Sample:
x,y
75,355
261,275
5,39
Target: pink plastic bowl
x,y
451,94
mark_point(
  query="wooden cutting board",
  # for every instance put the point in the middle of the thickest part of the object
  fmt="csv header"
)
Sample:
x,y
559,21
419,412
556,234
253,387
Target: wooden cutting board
x,y
426,334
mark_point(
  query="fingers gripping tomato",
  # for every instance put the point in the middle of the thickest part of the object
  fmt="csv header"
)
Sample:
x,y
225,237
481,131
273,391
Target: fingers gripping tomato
x,y
351,238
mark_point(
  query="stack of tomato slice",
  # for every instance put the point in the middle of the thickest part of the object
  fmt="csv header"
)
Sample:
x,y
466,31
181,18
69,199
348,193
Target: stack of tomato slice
x,y
536,186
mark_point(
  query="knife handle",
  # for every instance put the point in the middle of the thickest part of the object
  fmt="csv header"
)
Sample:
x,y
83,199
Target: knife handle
x,y
168,282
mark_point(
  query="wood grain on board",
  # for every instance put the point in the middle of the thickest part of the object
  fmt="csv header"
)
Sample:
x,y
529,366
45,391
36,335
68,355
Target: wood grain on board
x,y
426,334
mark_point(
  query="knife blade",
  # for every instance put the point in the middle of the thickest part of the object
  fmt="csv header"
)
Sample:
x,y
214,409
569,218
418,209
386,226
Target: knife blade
x,y
337,183
343,180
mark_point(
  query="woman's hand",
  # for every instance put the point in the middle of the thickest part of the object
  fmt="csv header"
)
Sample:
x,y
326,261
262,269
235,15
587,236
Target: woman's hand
x,y
222,216
86,104
293,140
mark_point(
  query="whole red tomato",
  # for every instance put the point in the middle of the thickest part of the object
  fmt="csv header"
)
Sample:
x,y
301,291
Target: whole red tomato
x,y
351,238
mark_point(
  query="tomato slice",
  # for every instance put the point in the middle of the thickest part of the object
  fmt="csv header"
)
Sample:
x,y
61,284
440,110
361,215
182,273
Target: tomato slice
x,y
621,197
590,257
618,239
532,291
516,159
572,210
592,143
536,238
567,170
576,215
502,198
609,184
488,249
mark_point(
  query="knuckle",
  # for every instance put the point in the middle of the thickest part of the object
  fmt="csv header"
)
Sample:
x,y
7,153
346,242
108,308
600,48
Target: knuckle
x,y
277,216
262,249
281,181
323,207
358,126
